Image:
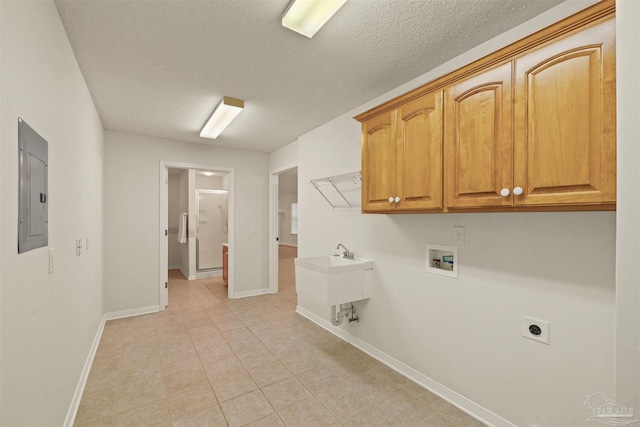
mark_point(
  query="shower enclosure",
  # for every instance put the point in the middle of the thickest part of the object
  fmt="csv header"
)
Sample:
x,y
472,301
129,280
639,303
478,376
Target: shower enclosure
x,y
213,228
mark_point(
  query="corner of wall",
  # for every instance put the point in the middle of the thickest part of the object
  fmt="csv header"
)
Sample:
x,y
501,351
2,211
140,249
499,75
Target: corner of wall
x,y
627,227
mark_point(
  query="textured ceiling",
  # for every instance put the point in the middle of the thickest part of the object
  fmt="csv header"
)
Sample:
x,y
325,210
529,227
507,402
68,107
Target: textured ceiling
x,y
159,67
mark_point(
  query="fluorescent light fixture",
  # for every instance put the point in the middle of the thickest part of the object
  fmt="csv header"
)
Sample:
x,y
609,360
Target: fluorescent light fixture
x,y
222,115
308,16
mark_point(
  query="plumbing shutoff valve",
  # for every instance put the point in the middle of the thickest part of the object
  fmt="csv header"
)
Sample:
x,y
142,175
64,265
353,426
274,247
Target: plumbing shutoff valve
x,y
339,316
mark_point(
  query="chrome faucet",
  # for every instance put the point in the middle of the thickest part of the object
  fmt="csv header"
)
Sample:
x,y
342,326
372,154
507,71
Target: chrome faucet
x,y
346,254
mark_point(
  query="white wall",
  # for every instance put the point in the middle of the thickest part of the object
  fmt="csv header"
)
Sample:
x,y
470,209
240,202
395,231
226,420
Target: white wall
x,y
628,226
465,334
204,182
132,219
49,321
1,232
284,158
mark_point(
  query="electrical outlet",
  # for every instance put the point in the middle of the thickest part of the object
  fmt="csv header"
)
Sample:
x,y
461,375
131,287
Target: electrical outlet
x,y
458,234
535,329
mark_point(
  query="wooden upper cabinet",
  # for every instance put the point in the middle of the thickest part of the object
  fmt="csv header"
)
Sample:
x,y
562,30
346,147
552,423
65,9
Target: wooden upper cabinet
x,y
379,162
478,140
530,127
420,153
565,120
402,157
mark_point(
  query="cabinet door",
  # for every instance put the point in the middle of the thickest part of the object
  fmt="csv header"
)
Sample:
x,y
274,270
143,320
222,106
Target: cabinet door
x,y
379,162
565,120
419,133
225,264
478,140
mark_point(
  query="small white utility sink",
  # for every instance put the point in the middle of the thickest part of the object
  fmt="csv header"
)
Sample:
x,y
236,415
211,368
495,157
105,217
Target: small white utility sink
x,y
334,280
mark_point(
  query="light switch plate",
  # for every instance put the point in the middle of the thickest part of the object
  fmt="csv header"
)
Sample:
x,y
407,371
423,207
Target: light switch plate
x,y
51,253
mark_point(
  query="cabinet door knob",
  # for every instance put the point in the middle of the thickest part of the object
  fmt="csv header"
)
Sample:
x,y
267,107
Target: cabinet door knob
x,y
504,192
397,199
390,199
517,191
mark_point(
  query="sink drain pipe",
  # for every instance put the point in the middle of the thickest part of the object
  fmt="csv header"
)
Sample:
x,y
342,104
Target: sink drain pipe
x,y
349,313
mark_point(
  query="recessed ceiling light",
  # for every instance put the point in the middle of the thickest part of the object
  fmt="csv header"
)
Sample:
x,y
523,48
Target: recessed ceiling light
x,y
308,16
226,110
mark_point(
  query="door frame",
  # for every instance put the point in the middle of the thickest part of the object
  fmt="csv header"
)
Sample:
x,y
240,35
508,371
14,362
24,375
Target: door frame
x,y
274,181
164,226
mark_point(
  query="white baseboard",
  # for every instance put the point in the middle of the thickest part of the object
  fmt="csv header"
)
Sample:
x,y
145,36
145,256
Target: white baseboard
x,y
77,396
470,407
209,274
178,267
184,273
252,293
132,312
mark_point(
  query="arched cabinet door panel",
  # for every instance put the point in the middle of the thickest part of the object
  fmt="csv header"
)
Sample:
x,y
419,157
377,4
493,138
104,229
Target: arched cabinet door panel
x,y
479,140
420,153
530,127
402,157
379,162
565,120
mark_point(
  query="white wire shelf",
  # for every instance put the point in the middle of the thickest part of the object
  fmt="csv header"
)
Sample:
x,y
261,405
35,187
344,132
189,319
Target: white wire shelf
x,y
340,191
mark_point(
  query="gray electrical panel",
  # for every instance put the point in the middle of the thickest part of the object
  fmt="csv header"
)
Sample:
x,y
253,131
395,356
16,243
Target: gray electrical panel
x,y
33,201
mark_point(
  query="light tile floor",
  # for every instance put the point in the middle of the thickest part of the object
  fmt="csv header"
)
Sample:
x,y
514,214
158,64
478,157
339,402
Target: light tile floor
x,y
210,361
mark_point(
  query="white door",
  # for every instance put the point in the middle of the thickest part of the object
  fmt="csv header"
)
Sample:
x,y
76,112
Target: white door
x,y
164,240
213,227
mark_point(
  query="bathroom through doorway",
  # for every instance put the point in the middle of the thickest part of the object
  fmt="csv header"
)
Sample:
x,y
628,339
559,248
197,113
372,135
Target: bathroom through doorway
x,y
200,198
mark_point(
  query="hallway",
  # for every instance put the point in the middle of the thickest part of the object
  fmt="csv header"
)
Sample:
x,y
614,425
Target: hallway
x,y
210,361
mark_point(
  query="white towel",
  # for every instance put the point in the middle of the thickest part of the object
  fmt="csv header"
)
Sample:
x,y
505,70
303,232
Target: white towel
x,y
182,228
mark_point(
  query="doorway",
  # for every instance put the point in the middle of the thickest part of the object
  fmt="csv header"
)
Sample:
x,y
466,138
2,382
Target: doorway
x,y
283,228
212,230
220,222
